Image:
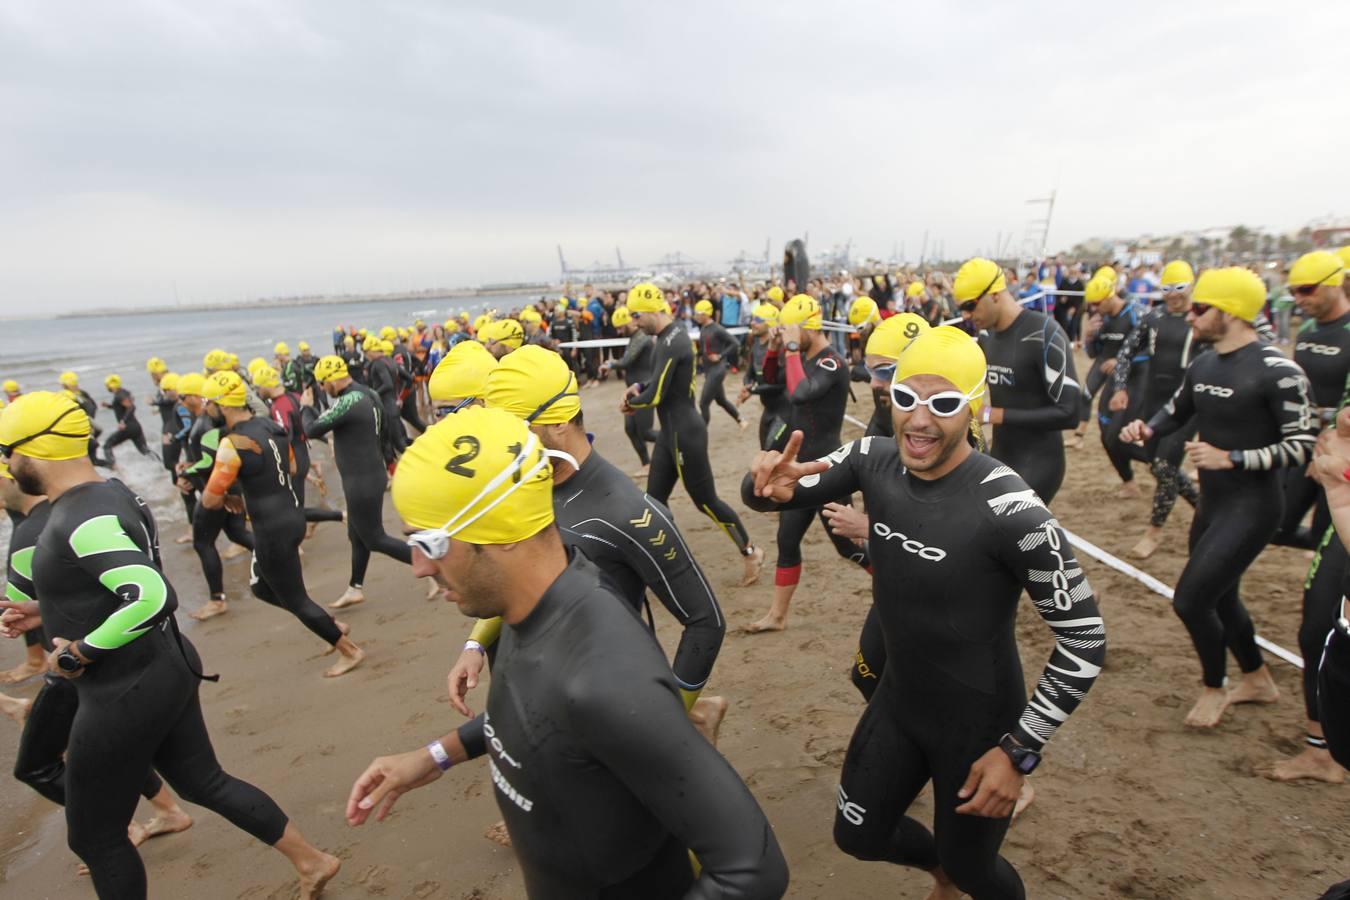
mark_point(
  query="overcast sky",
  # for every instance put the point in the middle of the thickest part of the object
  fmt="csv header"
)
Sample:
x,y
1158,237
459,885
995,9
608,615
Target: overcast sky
x,y
261,148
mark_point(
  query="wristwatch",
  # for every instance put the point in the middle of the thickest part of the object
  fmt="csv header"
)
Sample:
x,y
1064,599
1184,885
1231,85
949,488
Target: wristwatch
x,y
1024,759
67,661
1237,458
793,346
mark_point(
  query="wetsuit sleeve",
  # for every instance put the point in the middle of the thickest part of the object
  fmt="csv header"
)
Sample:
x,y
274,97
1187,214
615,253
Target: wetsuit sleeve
x,y
810,388
185,420
727,346
225,470
1177,411
1034,546
472,737
839,480
486,631
663,370
340,408
103,547
198,472
639,731
1288,396
1125,358
1061,387
19,585
632,351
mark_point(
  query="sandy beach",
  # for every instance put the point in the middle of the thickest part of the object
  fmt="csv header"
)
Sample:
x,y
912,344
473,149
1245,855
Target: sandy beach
x,y
1129,802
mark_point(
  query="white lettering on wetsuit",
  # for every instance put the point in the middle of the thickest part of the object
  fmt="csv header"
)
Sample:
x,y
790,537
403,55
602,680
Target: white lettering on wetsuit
x,y
1213,390
505,787
852,812
1319,349
1002,375
918,548
496,742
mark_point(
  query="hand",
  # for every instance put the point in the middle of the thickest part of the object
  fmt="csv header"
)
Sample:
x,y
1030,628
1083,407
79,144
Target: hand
x,y
776,474
743,396
1207,456
846,521
121,426
992,787
165,439
234,504
1108,367
385,780
775,338
790,333
1136,432
59,644
463,678
1119,401
714,358
18,618
184,485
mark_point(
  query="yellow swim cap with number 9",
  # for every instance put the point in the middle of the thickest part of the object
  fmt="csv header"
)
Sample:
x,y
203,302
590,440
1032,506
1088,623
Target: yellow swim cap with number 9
x,y
949,353
894,334
479,475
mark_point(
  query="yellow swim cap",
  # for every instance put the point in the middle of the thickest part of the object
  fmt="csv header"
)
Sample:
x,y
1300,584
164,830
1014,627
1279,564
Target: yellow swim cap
x,y
915,289
349,341
801,310
154,365
530,314
479,475
329,368
1318,267
1098,289
504,331
232,360
10,386
303,347
774,294
766,312
1178,271
267,377
451,326
214,360
952,354
863,310
387,346
387,333
168,381
255,364
563,303
402,332
1108,272
978,278
704,308
647,298
462,374
534,384
1344,255
193,383
45,425
894,334
1233,290
113,382
482,322
620,317
281,349
69,380
226,389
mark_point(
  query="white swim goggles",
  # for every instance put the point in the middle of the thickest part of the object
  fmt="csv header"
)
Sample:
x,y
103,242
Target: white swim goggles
x,y
435,542
944,403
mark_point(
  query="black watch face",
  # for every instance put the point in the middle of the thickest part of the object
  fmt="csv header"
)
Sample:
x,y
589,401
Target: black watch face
x,y
67,662
1027,763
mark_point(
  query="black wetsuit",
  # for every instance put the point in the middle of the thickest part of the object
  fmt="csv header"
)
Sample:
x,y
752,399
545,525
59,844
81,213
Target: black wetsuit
x,y
1111,337
714,340
207,524
98,581
90,407
952,558
287,412
309,383
19,587
604,783
1333,688
1170,342
292,376
636,366
128,426
682,451
1032,379
356,421
1256,401
261,451
773,420
1323,352
382,378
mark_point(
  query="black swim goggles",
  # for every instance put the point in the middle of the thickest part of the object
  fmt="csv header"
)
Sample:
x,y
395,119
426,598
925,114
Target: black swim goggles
x,y
944,403
969,305
565,392
7,450
1307,290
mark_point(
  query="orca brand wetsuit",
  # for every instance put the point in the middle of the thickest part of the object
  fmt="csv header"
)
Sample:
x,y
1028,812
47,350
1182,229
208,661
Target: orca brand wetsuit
x,y
99,583
604,783
287,412
1032,379
1115,331
1253,402
682,451
257,453
952,558
636,366
714,340
355,419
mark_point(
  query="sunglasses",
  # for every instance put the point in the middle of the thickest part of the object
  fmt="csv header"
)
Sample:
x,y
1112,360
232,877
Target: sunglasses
x,y
7,450
1307,290
970,305
944,403
1199,309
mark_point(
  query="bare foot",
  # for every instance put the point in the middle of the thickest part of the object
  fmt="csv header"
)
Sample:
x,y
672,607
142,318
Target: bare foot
x,y
350,597
163,823
1209,709
944,888
310,528
342,627
642,472
313,880
184,538
707,716
769,623
1129,491
234,551
22,672
1024,799
15,708
1313,763
1147,546
498,834
743,423
1075,442
210,610
351,658
1255,687
433,589
754,563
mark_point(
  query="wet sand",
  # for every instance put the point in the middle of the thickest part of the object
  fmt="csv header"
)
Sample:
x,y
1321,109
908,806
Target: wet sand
x,y
1129,802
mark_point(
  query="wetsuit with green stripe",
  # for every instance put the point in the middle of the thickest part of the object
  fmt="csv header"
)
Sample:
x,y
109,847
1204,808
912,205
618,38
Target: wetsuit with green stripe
x,y
99,583
681,453
207,524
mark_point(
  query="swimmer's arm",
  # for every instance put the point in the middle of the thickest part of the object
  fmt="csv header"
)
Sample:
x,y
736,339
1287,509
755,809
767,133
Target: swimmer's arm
x,y
1176,411
1289,399
335,413
1061,389
103,548
223,475
1125,358
654,391
185,420
635,726
1035,547
839,480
